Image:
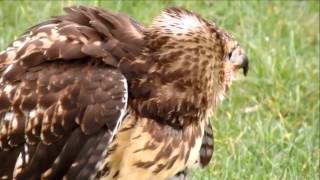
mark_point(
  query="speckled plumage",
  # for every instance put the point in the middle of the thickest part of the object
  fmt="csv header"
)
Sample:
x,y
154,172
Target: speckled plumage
x,y
94,95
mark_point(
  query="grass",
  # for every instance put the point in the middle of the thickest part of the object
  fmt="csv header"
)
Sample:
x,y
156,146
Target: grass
x,y
268,127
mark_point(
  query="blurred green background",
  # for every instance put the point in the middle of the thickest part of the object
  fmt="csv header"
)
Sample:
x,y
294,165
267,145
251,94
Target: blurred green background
x,y
268,126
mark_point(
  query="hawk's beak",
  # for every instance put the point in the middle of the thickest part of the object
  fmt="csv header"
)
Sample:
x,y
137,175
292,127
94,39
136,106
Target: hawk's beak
x,y
243,63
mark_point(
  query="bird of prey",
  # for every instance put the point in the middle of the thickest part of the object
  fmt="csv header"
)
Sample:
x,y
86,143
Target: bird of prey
x,y
92,94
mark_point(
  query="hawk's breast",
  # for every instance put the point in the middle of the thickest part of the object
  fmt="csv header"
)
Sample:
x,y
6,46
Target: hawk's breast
x,y
145,149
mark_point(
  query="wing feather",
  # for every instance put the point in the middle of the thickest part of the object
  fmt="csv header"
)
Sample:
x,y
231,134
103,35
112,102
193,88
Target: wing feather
x,y
61,92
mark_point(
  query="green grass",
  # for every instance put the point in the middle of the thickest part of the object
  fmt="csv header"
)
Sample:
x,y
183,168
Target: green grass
x,y
279,137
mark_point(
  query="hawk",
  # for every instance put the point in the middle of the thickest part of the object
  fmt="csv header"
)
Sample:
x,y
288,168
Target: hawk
x,y
93,94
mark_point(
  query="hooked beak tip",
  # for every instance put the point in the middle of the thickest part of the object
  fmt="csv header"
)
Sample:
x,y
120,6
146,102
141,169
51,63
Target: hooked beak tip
x,y
245,65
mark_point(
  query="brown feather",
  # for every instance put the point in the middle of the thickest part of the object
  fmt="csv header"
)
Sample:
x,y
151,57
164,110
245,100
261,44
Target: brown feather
x,y
66,83
207,146
48,97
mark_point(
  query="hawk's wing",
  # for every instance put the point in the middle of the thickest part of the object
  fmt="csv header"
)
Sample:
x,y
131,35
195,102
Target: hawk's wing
x,y
62,96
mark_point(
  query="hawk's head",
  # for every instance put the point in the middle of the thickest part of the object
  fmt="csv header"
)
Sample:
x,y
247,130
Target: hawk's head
x,y
237,57
234,58
191,65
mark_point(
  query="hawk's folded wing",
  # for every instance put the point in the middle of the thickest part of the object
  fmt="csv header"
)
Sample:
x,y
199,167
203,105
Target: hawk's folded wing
x,y
62,96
